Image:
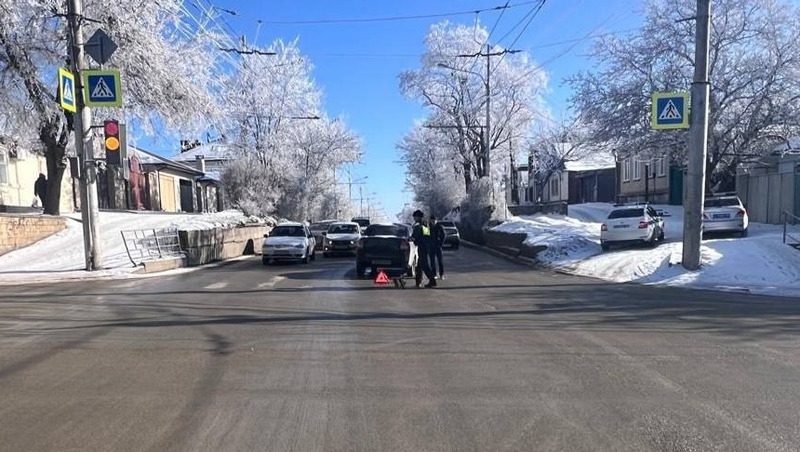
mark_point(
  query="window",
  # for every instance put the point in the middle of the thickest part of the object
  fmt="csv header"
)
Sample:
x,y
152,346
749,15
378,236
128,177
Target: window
x,y
555,182
3,167
661,167
343,229
626,213
288,231
637,170
626,170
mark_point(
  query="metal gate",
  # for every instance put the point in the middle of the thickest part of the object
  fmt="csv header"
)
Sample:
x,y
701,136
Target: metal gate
x,y
151,244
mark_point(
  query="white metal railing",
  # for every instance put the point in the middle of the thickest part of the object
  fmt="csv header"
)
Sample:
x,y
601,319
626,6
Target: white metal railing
x,y
150,244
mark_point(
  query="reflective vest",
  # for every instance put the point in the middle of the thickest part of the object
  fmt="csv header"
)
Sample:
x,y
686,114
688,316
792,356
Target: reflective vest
x,y
426,231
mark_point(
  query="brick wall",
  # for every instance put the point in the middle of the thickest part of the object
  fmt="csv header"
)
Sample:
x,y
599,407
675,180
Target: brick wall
x,y
17,231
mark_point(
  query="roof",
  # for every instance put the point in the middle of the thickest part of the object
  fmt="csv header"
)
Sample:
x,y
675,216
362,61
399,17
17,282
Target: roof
x,y
209,151
592,162
148,158
349,223
290,223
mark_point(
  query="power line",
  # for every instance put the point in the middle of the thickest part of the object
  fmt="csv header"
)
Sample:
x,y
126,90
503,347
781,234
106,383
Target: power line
x,y
536,10
395,18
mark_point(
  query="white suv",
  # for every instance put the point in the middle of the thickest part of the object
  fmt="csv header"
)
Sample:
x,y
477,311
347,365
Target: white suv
x,y
288,241
632,224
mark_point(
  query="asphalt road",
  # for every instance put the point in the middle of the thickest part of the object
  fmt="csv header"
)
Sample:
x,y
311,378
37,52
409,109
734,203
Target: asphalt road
x,y
306,358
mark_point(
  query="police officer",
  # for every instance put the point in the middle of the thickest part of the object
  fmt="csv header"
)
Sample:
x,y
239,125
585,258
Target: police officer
x,y
437,242
421,235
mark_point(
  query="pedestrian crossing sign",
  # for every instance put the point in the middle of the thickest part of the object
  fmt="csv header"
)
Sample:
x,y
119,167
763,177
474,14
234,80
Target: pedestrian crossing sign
x,y
670,110
102,88
66,90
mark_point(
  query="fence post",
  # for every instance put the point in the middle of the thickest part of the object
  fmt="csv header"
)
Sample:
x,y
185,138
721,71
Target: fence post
x,y
158,245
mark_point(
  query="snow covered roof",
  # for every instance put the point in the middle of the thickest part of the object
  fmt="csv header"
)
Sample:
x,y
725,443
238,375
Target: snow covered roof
x,y
148,158
591,162
209,151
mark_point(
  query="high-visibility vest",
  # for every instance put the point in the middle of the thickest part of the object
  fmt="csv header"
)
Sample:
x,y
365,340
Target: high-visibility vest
x,y
426,231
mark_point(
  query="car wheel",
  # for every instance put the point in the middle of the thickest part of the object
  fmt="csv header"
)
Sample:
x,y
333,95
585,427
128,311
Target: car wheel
x,y
455,246
313,256
744,233
605,246
360,269
653,242
265,261
304,259
661,235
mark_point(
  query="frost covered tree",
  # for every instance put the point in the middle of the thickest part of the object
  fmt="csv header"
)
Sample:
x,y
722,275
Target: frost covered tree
x,y
453,91
167,69
753,67
555,144
287,149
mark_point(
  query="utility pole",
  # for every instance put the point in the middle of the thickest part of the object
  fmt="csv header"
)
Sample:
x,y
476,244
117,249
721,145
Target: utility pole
x,y
487,155
83,142
698,142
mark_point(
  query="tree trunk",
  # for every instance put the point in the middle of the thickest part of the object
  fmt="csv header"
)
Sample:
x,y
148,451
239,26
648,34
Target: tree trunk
x,y
467,177
54,139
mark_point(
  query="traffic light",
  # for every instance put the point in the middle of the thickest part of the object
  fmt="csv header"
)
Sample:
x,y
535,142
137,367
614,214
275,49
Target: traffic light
x,y
111,141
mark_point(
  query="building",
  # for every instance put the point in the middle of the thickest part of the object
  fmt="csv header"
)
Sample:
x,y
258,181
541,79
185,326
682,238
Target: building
x,y
656,180
210,158
588,179
771,186
19,169
163,184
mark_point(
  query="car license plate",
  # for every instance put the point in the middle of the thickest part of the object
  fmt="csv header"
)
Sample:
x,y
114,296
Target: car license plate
x,y
620,226
720,215
382,262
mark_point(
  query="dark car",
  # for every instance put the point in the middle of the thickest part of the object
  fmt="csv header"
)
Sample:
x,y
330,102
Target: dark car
x,y
385,246
451,236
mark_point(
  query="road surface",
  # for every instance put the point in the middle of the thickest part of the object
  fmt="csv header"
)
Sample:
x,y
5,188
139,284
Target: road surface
x,y
307,358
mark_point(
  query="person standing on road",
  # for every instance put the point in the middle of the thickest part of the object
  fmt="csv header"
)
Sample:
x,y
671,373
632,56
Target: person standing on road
x,y
437,242
421,235
40,189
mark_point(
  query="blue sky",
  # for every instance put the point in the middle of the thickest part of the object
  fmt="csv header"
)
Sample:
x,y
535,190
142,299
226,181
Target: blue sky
x,y
357,64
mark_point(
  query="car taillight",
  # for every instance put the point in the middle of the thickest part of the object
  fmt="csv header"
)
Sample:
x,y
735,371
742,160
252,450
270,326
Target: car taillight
x,y
603,227
740,214
404,245
643,224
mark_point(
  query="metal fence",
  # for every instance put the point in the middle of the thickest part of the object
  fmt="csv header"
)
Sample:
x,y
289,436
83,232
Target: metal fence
x,y
791,229
150,244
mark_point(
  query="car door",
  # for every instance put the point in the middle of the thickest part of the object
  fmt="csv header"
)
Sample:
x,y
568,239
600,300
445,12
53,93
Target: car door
x,y
656,219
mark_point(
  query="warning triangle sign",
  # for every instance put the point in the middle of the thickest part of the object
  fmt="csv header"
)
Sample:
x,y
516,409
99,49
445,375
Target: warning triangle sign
x,y
382,278
670,111
101,90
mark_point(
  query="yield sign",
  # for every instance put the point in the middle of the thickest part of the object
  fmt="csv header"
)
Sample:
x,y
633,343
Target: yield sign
x,y
382,278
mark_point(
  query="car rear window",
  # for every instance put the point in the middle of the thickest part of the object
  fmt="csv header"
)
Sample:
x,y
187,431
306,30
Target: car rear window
x,y
626,213
382,229
721,202
361,221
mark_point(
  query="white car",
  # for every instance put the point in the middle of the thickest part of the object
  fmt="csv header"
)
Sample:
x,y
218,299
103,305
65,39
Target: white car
x,y
725,214
632,224
288,241
341,238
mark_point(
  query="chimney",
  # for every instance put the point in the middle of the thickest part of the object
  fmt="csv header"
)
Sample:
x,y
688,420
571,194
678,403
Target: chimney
x,y
200,162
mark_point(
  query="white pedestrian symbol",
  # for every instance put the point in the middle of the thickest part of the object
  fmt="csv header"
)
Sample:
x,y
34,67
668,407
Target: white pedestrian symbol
x,y
670,111
101,90
68,92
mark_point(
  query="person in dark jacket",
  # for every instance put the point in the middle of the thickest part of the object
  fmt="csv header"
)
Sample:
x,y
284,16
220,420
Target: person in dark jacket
x,y
435,250
421,235
40,187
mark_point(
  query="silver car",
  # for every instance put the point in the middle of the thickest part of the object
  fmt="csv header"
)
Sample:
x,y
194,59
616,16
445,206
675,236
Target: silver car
x,y
725,214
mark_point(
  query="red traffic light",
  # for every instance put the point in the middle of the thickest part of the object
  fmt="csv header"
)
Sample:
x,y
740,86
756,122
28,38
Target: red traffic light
x,y
111,127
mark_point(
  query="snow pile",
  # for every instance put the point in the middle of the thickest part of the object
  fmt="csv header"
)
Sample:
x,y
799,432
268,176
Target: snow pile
x,y
759,263
61,255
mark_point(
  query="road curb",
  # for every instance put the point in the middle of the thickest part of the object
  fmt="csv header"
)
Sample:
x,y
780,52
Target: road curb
x,y
488,250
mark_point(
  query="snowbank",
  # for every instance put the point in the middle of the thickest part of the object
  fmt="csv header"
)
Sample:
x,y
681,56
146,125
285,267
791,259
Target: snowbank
x,y
759,263
60,256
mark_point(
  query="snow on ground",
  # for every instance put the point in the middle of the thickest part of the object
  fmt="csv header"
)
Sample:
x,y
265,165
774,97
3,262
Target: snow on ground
x,y
60,256
759,263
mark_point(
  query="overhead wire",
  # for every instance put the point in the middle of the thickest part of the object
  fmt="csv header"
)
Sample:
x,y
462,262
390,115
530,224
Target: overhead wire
x,y
536,11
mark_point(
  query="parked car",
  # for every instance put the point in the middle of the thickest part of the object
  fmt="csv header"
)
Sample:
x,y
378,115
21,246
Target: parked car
x,y
386,246
288,241
725,214
317,228
632,224
363,222
341,238
451,238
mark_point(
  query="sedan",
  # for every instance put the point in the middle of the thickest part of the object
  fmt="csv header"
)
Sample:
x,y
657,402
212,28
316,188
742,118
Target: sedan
x,y
725,214
341,238
632,224
288,241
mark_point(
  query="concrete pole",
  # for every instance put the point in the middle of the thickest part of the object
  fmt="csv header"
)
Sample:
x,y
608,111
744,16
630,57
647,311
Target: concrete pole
x,y
83,143
698,142
487,131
